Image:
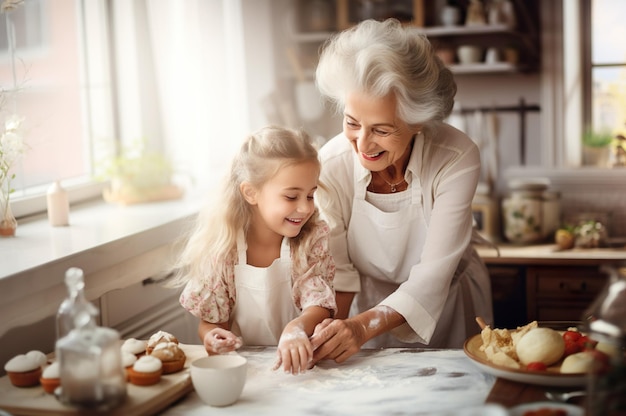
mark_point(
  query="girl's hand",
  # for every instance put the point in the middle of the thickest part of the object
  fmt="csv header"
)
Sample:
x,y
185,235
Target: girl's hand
x,y
295,352
221,341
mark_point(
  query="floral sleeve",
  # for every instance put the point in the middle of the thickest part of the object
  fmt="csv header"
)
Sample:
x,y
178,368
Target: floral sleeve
x,y
211,300
314,287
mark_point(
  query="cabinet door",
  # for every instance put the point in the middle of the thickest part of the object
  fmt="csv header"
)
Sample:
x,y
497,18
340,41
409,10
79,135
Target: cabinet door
x,y
509,296
562,293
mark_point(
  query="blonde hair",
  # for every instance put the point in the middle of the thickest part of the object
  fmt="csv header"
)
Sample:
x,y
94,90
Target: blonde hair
x,y
211,249
378,58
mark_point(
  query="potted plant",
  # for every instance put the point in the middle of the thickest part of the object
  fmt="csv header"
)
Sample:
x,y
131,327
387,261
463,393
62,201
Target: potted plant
x,y
138,175
597,147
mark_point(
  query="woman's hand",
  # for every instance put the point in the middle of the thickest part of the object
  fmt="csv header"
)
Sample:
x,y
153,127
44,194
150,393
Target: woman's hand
x,y
295,352
220,341
337,339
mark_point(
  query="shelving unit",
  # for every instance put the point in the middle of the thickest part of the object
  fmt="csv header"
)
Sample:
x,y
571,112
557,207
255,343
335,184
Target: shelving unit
x,y
424,17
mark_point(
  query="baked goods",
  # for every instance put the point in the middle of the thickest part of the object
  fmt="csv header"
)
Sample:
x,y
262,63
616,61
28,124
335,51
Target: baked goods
x,y
134,346
171,355
24,370
146,371
159,337
580,362
50,378
543,345
499,344
128,359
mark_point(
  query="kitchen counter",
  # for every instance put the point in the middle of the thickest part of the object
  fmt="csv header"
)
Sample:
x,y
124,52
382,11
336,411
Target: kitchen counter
x,y
547,254
372,382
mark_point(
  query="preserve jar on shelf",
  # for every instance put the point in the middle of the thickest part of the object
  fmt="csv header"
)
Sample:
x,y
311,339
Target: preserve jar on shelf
x,y
531,213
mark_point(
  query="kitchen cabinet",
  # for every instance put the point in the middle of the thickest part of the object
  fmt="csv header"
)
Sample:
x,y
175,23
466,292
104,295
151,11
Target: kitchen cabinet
x,y
524,291
561,293
316,20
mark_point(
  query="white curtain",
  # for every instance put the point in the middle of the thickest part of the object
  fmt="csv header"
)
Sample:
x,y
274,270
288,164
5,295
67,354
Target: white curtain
x,y
182,80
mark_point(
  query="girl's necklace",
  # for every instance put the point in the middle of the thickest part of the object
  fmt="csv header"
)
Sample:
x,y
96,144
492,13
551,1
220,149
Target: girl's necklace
x,y
391,185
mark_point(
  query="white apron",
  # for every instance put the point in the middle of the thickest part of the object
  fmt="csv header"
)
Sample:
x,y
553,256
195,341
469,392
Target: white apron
x,y
384,259
264,301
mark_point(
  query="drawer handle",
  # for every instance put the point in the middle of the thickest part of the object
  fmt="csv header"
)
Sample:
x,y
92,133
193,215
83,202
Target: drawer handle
x,y
567,287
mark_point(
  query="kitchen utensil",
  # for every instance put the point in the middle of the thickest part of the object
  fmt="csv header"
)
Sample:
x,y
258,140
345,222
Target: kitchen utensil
x,y
560,396
219,379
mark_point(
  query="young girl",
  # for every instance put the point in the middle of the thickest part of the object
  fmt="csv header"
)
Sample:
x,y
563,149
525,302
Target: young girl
x,y
257,268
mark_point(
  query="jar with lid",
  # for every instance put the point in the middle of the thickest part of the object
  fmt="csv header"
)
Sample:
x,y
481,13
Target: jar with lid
x,y
605,321
531,213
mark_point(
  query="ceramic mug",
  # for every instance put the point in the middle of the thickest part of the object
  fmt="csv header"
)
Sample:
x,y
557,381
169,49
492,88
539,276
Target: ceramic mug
x,y
469,54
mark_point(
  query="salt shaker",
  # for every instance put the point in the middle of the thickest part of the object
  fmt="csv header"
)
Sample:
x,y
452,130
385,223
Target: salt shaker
x,y
606,323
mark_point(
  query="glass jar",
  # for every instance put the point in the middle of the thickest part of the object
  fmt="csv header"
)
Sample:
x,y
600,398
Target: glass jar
x,y
605,321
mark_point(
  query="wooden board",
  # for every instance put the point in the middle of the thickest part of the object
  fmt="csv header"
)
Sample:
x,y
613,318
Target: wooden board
x,y
141,400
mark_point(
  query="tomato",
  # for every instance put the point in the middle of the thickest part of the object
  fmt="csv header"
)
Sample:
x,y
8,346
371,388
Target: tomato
x,y
536,366
586,342
571,336
571,347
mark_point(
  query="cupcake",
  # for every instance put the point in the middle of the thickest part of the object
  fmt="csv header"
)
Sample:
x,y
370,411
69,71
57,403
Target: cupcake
x,y
50,378
128,359
24,370
171,355
159,337
146,371
134,346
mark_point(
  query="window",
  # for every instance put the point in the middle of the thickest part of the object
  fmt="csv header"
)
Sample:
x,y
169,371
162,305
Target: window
x,y
606,89
95,76
60,87
588,85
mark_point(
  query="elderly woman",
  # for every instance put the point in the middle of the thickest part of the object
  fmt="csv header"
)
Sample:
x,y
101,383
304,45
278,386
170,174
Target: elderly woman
x,y
398,188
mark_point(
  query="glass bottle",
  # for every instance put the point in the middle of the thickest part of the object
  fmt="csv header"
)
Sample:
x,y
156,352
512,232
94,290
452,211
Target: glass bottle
x,y
90,358
606,323
74,303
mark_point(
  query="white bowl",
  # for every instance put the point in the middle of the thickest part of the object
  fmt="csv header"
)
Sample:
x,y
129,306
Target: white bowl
x,y
219,379
469,54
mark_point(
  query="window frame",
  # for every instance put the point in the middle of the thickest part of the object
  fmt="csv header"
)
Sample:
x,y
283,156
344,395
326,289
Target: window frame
x,y
94,16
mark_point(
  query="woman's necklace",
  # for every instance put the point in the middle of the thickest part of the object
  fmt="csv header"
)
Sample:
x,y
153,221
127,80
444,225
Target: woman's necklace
x,y
391,185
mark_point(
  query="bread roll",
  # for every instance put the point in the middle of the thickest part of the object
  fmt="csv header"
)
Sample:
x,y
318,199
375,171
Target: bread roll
x,y
543,345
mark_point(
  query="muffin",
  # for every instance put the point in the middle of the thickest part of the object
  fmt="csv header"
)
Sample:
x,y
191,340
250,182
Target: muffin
x,y
171,355
146,371
159,337
50,378
134,346
24,370
128,359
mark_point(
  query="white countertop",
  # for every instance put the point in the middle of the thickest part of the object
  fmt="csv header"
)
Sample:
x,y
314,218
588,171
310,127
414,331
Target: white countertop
x,y
373,382
111,243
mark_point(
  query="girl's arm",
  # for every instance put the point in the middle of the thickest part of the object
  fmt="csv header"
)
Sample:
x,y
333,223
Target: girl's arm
x,y
295,352
217,339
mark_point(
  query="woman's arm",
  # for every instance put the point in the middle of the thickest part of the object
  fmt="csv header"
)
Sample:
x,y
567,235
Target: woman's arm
x,y
339,339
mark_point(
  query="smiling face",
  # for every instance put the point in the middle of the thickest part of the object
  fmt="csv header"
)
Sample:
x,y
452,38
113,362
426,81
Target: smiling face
x,y
285,202
380,139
